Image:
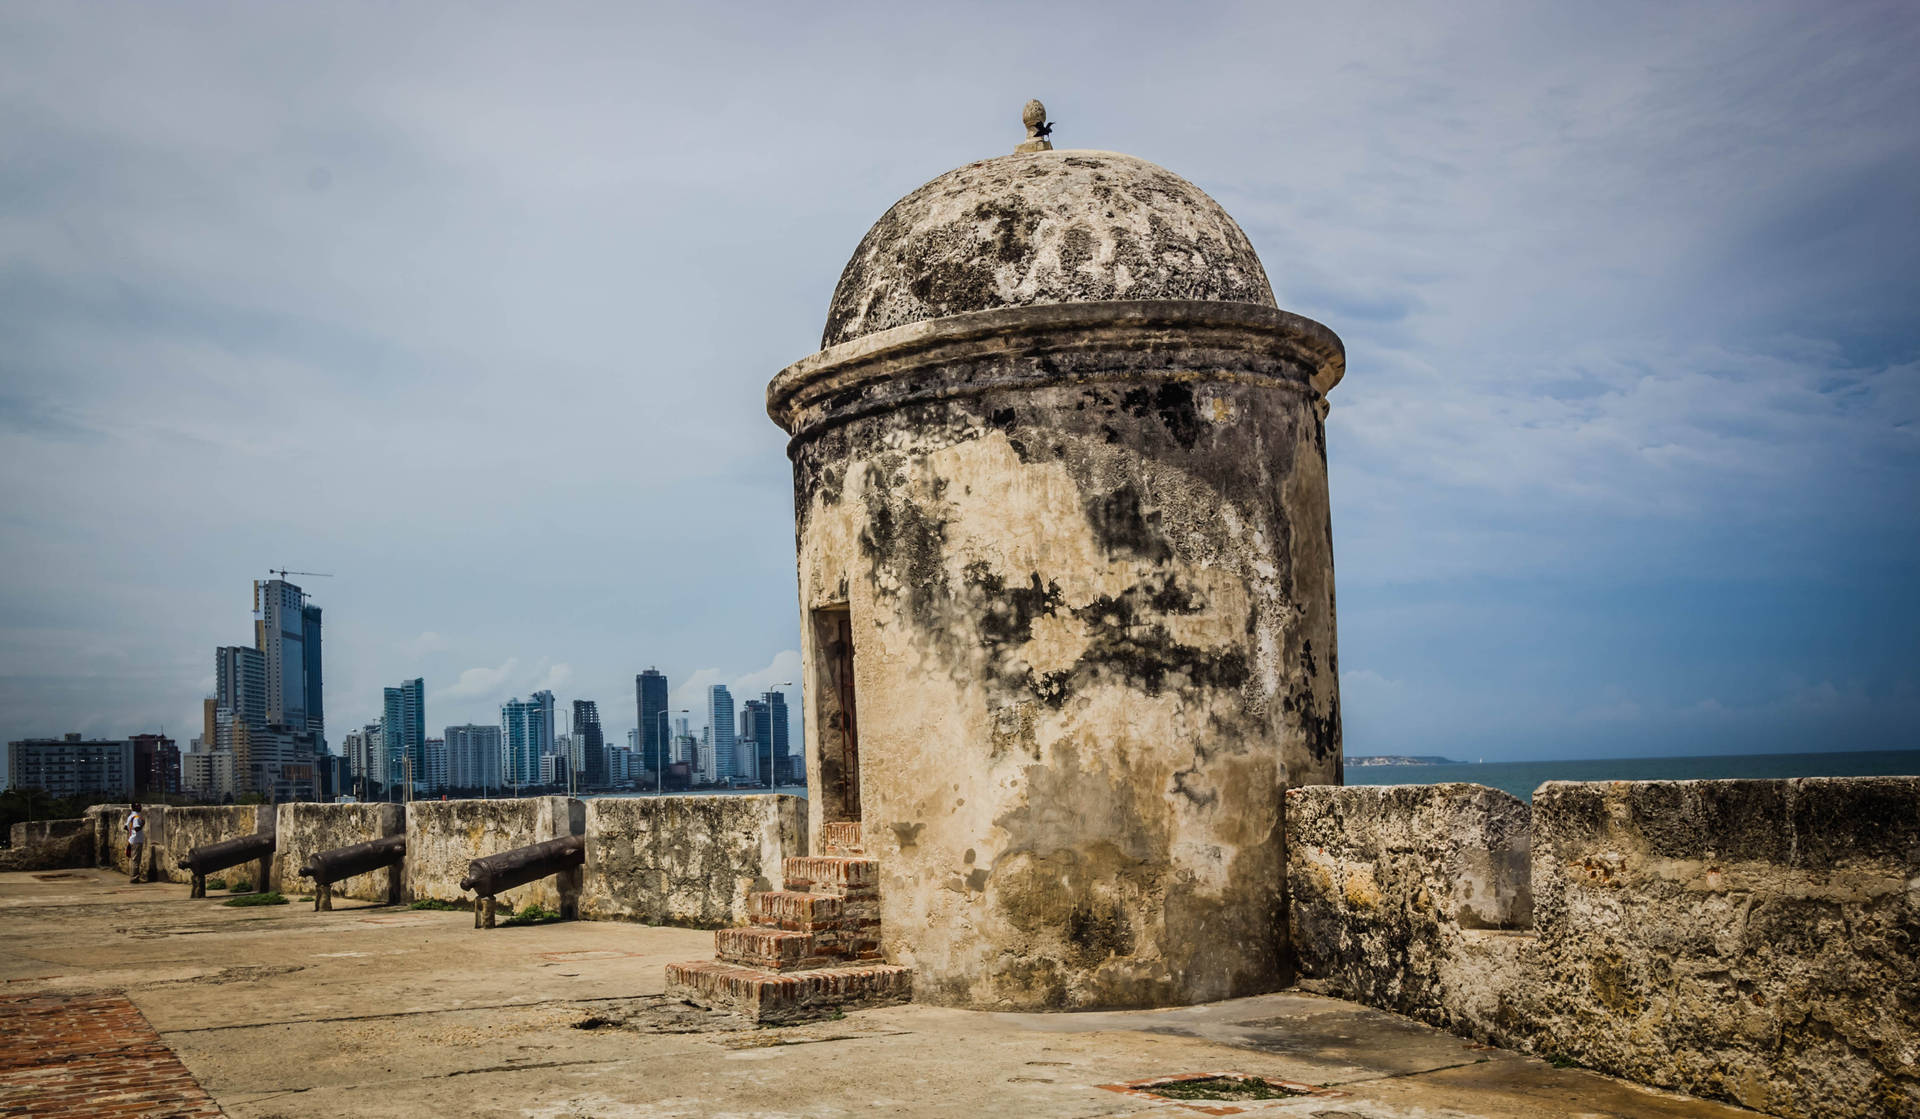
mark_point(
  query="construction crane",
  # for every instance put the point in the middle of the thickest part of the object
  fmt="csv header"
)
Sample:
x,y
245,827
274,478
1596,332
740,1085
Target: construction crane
x,y
283,573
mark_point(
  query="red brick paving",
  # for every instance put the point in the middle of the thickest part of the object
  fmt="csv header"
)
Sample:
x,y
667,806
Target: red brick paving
x,y
88,1057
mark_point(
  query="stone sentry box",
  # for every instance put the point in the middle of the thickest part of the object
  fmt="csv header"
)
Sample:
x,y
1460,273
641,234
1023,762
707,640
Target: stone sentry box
x,y
1066,573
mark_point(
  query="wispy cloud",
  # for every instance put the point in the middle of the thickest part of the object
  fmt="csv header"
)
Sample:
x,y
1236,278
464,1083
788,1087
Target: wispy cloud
x,y
1627,295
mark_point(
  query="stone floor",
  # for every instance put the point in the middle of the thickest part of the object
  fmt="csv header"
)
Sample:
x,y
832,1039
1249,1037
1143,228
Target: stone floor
x,y
369,1011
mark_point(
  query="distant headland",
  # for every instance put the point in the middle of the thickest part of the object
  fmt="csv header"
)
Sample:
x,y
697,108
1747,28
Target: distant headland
x,y
1402,759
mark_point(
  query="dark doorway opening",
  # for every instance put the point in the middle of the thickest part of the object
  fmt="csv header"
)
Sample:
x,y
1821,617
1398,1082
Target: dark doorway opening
x,y
834,714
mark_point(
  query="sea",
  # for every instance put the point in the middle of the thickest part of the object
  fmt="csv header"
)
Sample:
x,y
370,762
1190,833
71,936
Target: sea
x,y
1522,778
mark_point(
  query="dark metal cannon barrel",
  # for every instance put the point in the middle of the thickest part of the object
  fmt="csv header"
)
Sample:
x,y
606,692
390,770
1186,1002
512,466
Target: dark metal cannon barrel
x,y
490,874
209,857
345,862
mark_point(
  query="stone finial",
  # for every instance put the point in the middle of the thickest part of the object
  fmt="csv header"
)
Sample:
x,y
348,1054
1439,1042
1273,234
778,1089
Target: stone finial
x,y
1034,116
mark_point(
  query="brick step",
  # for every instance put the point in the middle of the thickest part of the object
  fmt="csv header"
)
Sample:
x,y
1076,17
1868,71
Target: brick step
x,y
795,911
770,996
830,874
773,949
842,837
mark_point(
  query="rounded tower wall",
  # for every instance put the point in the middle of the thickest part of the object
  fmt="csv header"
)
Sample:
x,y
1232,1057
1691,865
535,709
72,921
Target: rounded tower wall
x,y
1084,555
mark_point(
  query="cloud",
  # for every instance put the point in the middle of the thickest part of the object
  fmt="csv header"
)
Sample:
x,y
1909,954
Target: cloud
x,y
784,669
553,678
1627,305
479,683
427,642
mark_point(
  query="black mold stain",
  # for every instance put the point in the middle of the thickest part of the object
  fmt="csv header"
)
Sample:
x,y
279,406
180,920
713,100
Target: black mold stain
x,y
1006,615
910,267
908,834
1097,930
1124,528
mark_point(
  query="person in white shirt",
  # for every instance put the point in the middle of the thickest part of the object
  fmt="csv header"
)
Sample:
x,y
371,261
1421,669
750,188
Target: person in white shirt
x,y
136,840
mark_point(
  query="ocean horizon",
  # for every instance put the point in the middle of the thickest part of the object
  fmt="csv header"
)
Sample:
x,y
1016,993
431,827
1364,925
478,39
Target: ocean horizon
x,y
1522,778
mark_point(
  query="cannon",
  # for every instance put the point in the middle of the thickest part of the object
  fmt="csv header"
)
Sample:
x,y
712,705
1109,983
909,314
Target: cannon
x,y
328,867
209,857
490,874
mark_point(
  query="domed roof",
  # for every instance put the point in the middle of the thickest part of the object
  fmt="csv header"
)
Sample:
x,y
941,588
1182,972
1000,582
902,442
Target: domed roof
x,y
1043,227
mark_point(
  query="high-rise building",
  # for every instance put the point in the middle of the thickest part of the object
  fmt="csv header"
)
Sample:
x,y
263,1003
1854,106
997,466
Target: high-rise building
x,y
206,772
526,736
549,725
240,682
650,698
266,711
366,750
284,626
310,658
778,741
473,757
755,740
720,723
71,766
589,744
405,726
279,762
156,764
436,751
240,704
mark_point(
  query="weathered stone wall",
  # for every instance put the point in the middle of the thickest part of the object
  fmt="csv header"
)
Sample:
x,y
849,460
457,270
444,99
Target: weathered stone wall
x,y
443,836
180,830
172,831
688,860
50,844
1757,941
1089,582
304,829
110,832
39,831
1386,882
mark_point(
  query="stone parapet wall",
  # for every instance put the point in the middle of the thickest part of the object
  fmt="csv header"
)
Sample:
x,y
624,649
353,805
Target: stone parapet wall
x,y
177,831
443,836
306,829
1756,941
1386,883
686,860
50,844
40,831
172,831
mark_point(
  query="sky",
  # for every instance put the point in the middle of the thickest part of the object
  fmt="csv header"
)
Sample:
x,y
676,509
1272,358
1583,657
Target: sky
x,y
473,308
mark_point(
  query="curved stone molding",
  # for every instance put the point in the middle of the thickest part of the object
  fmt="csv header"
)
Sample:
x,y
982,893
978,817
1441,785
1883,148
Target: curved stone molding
x,y
1061,344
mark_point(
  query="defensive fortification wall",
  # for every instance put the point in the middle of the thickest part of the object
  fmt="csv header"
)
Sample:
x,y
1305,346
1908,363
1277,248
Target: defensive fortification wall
x,y
687,860
443,836
307,829
49,844
176,831
1757,941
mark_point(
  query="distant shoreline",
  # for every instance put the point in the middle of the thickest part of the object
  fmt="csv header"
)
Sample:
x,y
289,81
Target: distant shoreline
x,y
1402,759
